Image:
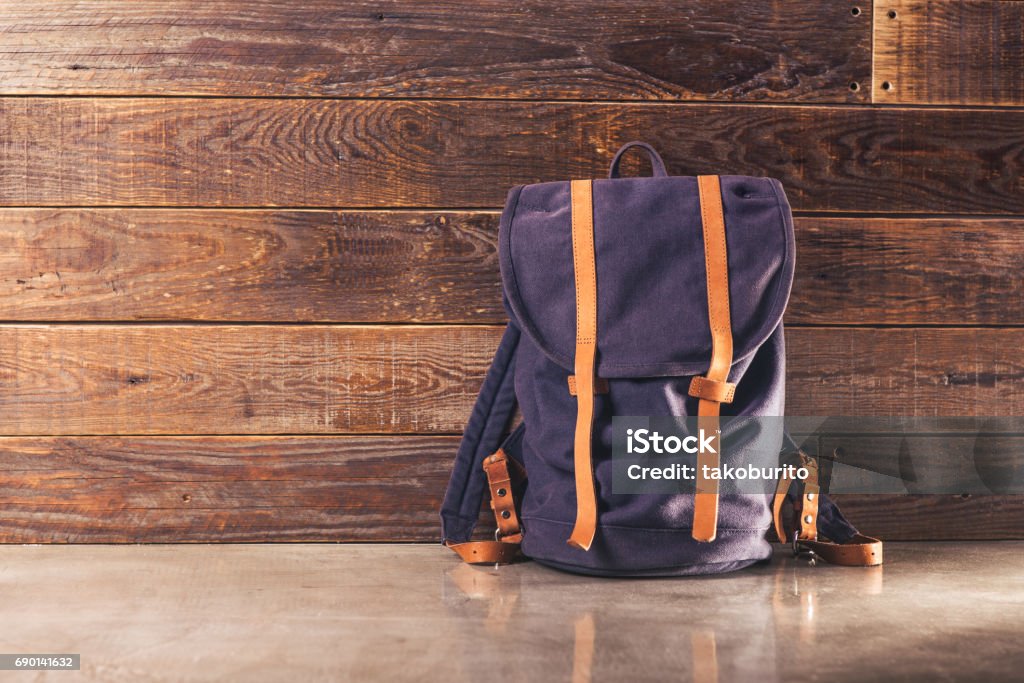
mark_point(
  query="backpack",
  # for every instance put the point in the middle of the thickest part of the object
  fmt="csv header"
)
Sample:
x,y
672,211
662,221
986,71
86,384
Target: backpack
x,y
653,296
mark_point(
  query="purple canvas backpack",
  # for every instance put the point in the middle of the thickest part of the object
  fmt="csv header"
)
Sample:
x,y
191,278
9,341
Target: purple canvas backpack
x,y
656,296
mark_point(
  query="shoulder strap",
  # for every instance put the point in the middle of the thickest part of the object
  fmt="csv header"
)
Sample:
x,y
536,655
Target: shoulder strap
x,y
818,519
474,473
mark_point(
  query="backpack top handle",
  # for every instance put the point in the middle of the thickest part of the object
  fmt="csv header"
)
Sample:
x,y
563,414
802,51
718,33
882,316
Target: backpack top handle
x,y
656,163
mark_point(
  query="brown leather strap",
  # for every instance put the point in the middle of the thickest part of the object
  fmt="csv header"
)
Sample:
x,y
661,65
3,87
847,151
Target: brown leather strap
x,y
585,268
499,482
720,392
808,508
861,551
600,385
780,499
716,262
486,552
509,534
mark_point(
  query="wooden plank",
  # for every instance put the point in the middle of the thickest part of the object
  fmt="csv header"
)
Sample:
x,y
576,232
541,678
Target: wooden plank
x,y
359,153
935,518
245,489
427,266
904,372
239,380
168,379
869,271
222,489
661,50
942,52
277,266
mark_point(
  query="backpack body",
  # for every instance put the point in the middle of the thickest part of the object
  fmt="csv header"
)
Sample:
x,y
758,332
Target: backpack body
x,y
655,333
653,338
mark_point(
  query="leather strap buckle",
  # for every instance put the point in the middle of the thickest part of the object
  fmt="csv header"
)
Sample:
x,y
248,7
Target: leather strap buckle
x,y
802,552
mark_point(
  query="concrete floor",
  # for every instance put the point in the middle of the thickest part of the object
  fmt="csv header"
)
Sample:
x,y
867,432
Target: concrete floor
x,y
934,612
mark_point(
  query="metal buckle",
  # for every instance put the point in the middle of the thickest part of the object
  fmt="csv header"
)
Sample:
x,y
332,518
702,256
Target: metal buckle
x,y
802,553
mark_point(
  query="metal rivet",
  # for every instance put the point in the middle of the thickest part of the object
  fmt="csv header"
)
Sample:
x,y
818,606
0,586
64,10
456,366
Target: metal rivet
x,y
808,519
505,514
501,493
810,496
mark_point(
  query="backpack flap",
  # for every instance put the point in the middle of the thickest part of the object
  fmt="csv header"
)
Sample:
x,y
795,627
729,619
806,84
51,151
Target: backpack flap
x,y
651,281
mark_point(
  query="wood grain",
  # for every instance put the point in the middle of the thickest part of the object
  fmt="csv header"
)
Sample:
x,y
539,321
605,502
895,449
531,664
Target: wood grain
x,y
239,380
572,49
172,379
277,266
904,372
222,489
935,518
360,153
246,489
941,52
428,266
873,271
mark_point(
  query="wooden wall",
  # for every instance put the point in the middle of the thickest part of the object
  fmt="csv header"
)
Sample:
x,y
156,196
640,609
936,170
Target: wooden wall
x,y
248,282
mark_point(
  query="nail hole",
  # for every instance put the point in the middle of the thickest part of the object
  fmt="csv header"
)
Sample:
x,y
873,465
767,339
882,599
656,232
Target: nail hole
x,y
187,498
892,14
886,85
855,11
854,86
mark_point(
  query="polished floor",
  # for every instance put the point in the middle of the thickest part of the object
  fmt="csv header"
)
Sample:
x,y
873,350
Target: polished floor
x,y
934,612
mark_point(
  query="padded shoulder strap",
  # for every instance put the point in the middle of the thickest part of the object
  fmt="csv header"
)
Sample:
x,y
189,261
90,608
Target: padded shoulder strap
x,y
494,407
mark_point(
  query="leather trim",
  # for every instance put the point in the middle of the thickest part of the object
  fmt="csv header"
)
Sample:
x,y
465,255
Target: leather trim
x,y
808,508
499,482
861,551
486,552
585,270
716,262
506,546
702,387
781,491
600,385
